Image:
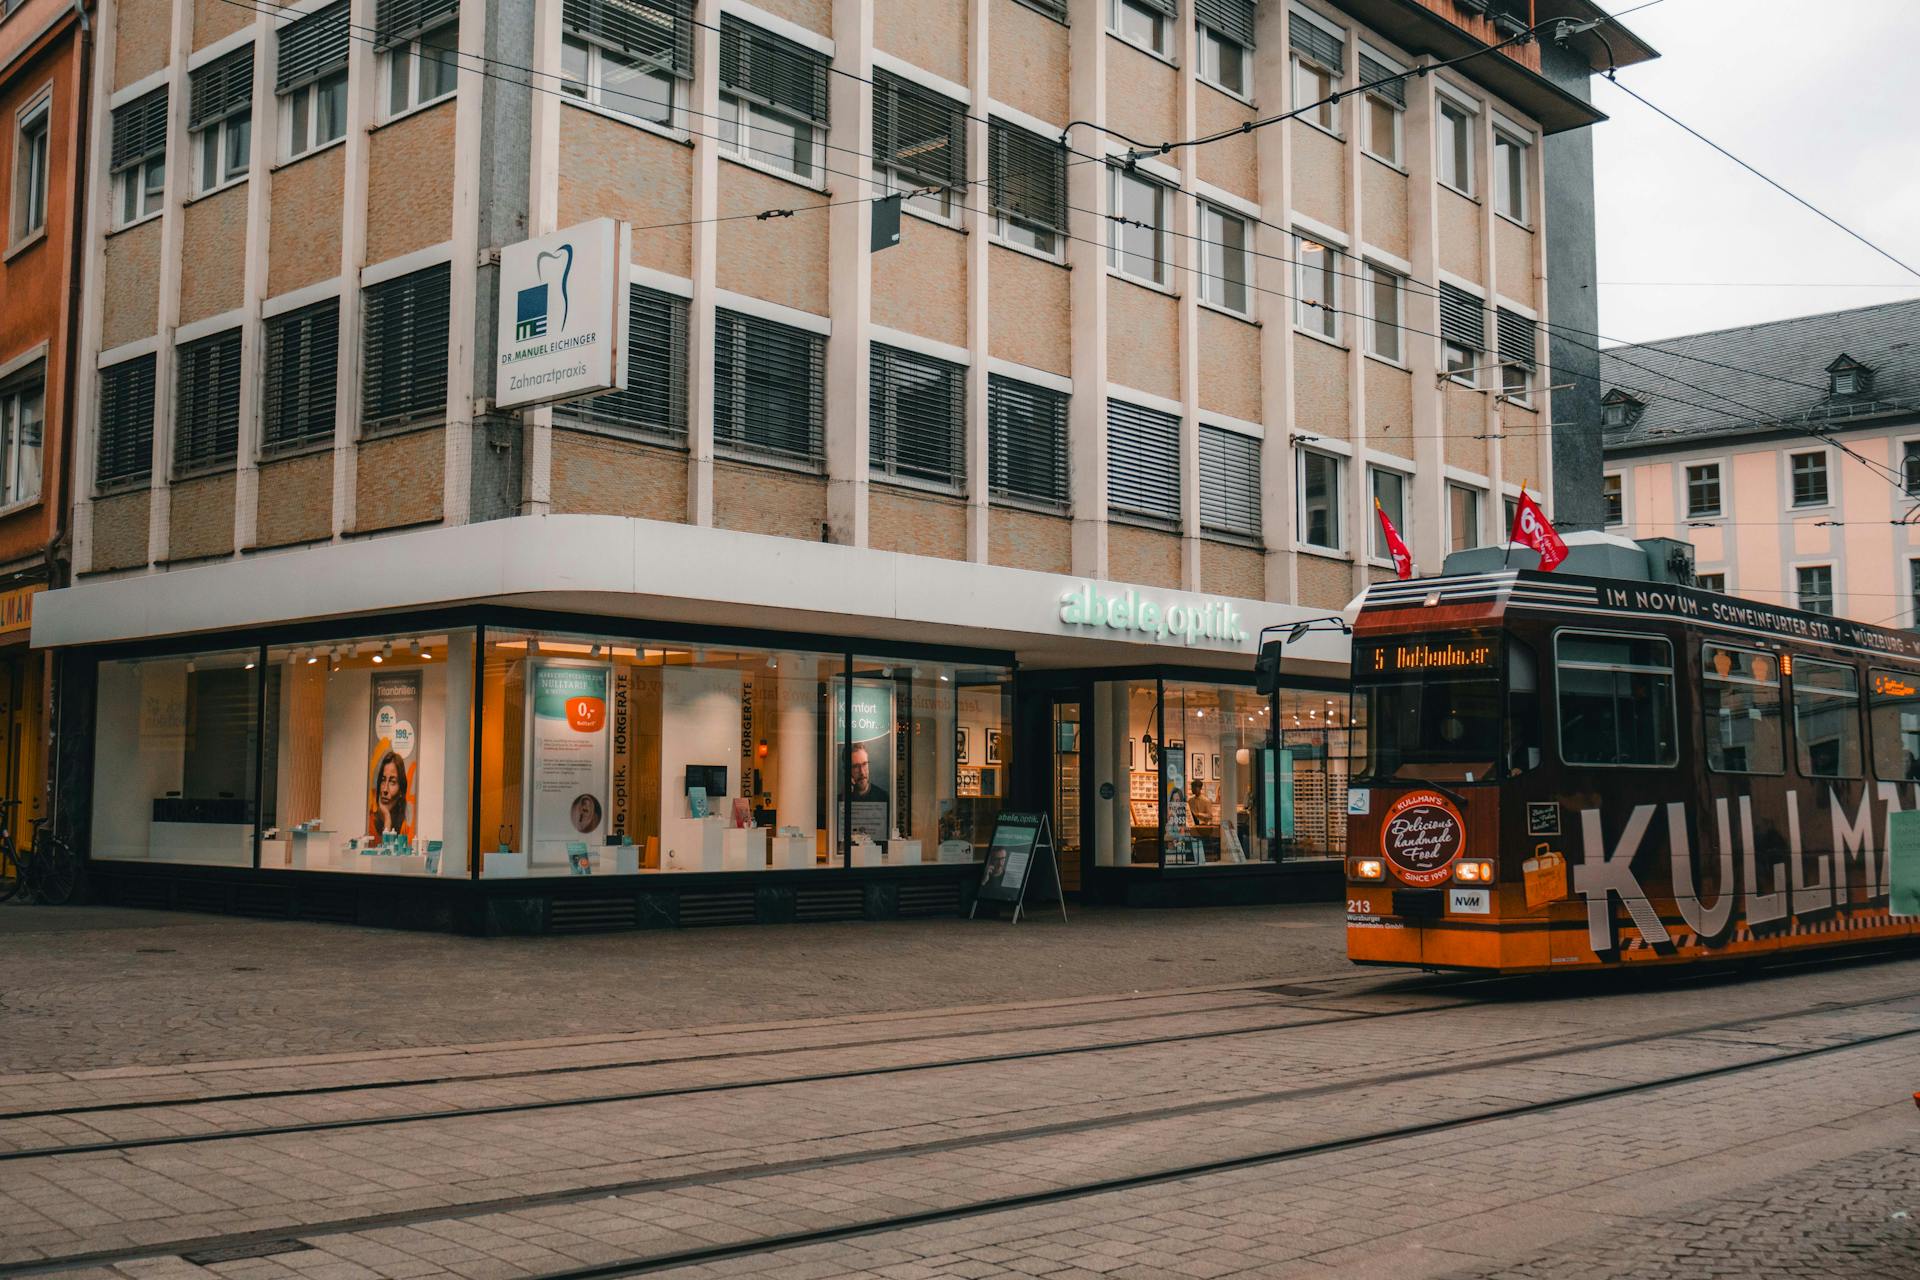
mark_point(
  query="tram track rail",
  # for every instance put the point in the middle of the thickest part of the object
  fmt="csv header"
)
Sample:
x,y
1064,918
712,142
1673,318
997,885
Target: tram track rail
x,y
749,1172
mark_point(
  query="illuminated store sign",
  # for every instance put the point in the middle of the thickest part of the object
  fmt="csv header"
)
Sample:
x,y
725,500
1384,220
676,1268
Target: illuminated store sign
x,y
1191,623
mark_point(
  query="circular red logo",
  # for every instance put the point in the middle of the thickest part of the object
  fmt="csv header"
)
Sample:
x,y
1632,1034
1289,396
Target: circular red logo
x,y
1422,835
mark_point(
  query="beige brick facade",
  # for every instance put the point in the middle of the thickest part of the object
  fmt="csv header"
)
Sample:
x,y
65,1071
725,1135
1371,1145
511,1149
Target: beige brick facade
x,y
1144,555
1029,61
1031,540
214,20
783,260
1229,366
401,480
1320,388
918,524
1319,183
1325,583
1229,570
304,244
598,473
296,500
1459,241
1514,245
1146,108
410,184
142,32
1383,204
608,170
212,283
1230,164
931,34
815,15
1389,408
761,500
120,527
130,305
1139,323
202,511
920,285
1031,314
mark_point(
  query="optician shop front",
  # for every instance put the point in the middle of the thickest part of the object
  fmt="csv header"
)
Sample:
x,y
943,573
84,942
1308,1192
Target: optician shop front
x,y
563,723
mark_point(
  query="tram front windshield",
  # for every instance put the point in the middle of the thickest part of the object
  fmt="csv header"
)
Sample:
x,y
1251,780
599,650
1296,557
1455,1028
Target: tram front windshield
x,y
1435,708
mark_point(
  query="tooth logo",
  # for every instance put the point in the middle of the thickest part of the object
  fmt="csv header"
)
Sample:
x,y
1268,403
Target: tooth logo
x,y
532,305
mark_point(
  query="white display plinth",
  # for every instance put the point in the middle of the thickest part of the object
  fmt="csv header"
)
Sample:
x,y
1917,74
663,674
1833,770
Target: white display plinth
x,y
957,851
220,844
868,854
313,850
793,853
617,860
745,849
496,865
904,852
393,864
692,844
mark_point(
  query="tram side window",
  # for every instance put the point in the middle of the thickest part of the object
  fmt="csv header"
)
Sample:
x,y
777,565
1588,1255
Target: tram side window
x,y
1740,710
1893,722
1826,719
1615,699
1523,709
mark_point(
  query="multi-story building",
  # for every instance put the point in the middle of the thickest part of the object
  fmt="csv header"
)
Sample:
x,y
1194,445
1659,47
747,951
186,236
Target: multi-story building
x,y
44,118
1787,453
989,513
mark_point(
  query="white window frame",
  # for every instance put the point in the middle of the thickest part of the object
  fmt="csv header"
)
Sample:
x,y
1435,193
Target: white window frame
x,y
1444,154
1700,581
1399,115
1211,43
1826,470
1512,190
1910,479
1327,118
140,192
1621,523
13,396
737,138
1460,363
213,163
1162,27
1116,256
32,184
1833,587
1479,514
1521,395
1215,256
1337,490
1323,320
308,96
408,59
1686,488
1376,275
1377,552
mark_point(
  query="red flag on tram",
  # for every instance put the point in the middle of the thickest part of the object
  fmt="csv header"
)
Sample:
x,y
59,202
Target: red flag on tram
x,y
1402,558
1531,528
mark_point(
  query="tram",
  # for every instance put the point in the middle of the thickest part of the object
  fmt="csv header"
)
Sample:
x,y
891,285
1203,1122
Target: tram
x,y
1557,772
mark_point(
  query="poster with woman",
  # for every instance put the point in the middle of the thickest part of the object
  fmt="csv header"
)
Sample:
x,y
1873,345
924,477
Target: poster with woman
x,y
393,797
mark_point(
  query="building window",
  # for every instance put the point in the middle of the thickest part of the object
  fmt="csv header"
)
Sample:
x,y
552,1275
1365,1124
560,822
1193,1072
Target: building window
x,y
1848,377
30,159
1138,247
636,88
1463,333
920,145
1913,590
303,359
1386,107
773,101
1026,188
769,389
1456,147
126,422
1809,479
1510,176
1026,441
1229,483
1321,524
1614,499
918,418
206,421
1143,465
405,349
1141,22
23,421
1517,355
139,158
1463,517
311,80
424,66
1383,318
1390,491
1619,410
220,117
655,401
1711,582
1703,490
1813,587
1223,62
1318,59
1316,294
1226,265
1910,467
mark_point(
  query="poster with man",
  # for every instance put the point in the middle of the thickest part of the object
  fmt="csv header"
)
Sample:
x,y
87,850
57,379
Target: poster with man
x,y
568,762
393,781
867,774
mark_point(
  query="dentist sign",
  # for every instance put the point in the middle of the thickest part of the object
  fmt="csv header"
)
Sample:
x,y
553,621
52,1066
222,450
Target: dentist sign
x,y
563,316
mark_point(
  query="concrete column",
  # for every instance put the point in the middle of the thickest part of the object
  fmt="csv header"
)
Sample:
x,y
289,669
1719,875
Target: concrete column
x,y
850,276
1422,309
794,798
266,150
1361,520
473,133
83,443
1087,292
705,265
1492,378
362,100
979,223
172,227
1187,227
1273,149
543,218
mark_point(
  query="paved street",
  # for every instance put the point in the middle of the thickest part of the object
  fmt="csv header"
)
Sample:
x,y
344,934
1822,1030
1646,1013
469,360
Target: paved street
x,y
1134,1095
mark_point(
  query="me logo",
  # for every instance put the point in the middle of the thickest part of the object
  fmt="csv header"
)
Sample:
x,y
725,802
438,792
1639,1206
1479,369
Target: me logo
x,y
532,308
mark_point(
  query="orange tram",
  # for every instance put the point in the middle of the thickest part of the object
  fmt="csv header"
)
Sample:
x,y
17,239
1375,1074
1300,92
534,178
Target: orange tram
x,y
1556,772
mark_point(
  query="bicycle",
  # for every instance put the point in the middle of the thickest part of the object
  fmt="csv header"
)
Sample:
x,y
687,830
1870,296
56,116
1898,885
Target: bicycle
x,y
52,868
12,874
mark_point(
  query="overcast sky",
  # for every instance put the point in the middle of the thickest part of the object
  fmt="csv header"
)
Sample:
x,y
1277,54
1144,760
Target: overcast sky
x,y
1825,98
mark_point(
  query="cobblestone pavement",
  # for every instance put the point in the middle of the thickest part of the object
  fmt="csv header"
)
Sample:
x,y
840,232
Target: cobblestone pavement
x,y
1328,1123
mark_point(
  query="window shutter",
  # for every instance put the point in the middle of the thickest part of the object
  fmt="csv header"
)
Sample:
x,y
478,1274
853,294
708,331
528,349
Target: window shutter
x,y
1230,18
918,417
660,30
769,388
1516,337
918,132
1316,44
398,21
206,424
655,401
1143,463
313,46
1026,441
1055,9
1372,69
1463,317
1229,482
303,356
1168,7
126,421
1026,176
222,88
140,130
405,361
773,69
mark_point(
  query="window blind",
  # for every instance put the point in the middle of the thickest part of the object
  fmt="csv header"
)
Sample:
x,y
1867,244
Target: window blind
x,y
1463,317
405,360
655,401
312,46
1026,176
1026,441
773,69
918,133
222,88
1230,18
303,357
140,130
1168,7
1394,91
206,420
1229,482
1055,9
1143,463
918,417
658,30
1516,337
126,421
1315,43
398,21
769,388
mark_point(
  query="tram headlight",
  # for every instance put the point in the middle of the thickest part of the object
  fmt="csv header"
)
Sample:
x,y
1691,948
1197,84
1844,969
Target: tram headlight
x,y
1367,869
1473,871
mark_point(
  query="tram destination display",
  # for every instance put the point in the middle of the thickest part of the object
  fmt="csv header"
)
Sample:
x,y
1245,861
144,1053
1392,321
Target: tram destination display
x,y
1421,656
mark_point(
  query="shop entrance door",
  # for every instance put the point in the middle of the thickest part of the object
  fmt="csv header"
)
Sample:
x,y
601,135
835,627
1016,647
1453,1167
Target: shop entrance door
x,y
1064,793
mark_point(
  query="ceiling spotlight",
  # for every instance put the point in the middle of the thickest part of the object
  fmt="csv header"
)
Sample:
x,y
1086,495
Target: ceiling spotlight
x,y
533,644
313,656
595,651
413,646
773,662
249,666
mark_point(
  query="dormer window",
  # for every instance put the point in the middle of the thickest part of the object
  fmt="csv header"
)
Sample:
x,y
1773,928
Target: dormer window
x,y
1619,410
1847,377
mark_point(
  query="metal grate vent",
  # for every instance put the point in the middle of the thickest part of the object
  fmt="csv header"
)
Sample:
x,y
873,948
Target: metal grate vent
x,y
335,906
834,902
729,906
262,900
930,899
592,915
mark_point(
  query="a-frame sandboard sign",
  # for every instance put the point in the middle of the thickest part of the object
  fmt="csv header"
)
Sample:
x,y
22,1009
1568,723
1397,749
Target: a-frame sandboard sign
x,y
1020,841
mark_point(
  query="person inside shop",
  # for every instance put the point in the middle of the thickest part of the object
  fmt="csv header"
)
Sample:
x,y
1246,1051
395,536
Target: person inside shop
x,y
860,785
389,815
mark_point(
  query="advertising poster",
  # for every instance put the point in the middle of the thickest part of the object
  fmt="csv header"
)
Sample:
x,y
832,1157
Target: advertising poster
x,y
568,764
1009,857
867,778
393,755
